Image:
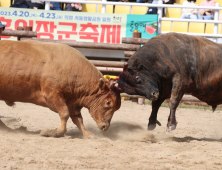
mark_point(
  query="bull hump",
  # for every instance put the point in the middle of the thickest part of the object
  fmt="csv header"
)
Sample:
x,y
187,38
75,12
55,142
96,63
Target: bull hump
x,y
174,50
50,52
53,57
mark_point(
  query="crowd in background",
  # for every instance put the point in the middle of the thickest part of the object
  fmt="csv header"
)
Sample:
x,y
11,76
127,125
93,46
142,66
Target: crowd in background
x,y
37,4
192,13
187,13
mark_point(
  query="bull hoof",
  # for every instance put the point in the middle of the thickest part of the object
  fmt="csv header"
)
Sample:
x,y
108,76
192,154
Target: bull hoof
x,y
88,135
151,126
52,133
171,127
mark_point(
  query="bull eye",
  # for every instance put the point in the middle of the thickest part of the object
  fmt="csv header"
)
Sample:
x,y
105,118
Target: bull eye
x,y
107,102
138,79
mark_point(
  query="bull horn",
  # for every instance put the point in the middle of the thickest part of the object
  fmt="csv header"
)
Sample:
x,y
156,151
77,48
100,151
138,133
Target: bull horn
x,y
112,85
115,86
101,83
125,67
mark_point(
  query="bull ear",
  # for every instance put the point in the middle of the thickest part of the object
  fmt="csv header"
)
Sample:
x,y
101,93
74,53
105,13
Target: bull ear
x,y
136,63
141,67
101,83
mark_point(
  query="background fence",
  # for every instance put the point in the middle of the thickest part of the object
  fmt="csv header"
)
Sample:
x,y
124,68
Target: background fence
x,y
205,28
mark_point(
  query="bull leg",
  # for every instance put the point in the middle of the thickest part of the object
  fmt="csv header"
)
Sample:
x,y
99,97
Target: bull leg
x,y
153,117
64,116
176,95
61,130
57,103
78,121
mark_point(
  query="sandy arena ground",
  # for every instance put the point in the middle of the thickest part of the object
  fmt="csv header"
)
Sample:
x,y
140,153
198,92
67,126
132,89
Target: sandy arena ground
x,y
195,144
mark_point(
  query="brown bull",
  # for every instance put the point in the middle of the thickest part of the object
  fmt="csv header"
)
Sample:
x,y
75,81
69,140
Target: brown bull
x,y
58,77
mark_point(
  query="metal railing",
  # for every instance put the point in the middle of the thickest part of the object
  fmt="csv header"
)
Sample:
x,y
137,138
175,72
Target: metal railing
x,y
160,5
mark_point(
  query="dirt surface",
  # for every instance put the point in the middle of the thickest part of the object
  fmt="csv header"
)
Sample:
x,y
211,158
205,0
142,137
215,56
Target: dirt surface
x,y
195,144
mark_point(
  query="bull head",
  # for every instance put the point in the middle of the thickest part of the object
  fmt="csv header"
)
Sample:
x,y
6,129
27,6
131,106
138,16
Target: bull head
x,y
107,101
135,80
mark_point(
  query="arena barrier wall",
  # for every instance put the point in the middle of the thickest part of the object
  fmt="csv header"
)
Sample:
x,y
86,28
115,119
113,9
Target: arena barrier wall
x,y
79,26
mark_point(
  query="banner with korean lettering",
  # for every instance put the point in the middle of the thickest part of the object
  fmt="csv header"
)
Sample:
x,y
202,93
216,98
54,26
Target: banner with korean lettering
x,y
146,24
79,26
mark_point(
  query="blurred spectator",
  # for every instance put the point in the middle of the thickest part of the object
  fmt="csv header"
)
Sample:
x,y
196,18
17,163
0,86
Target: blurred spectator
x,y
141,1
152,10
73,7
188,13
150,1
122,0
2,28
166,2
35,4
19,4
207,14
55,6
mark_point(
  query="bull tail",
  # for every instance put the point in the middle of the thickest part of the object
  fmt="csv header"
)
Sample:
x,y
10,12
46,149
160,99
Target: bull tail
x,y
214,108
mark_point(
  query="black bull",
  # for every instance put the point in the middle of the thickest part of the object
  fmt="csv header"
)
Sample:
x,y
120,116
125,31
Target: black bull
x,y
171,65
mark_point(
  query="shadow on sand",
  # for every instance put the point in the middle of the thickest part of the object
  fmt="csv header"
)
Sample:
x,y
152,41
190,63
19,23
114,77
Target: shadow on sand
x,y
21,129
116,131
189,138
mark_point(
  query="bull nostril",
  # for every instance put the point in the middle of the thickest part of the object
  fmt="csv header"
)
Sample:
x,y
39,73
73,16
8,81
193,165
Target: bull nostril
x,y
103,127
